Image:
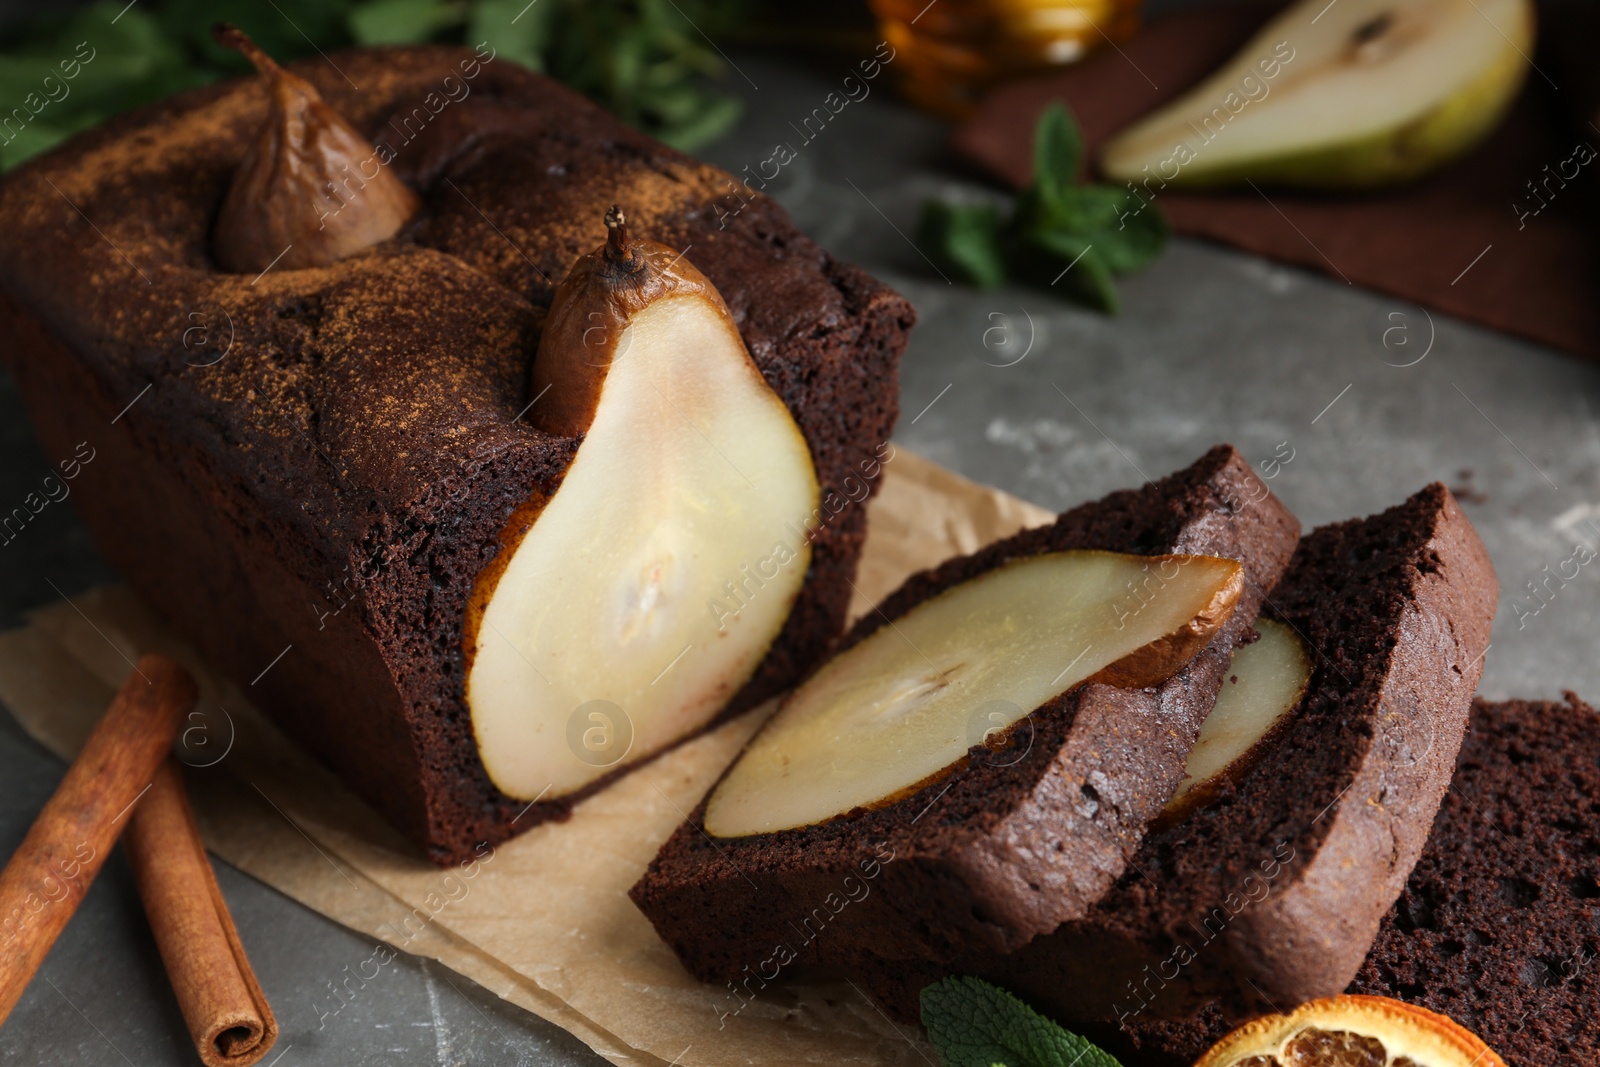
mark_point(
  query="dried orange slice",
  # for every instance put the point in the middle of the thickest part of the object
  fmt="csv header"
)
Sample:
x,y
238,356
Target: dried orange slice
x,y
1352,1031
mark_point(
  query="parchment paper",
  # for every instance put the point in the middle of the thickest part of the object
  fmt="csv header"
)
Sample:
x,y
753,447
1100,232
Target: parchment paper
x,y
544,921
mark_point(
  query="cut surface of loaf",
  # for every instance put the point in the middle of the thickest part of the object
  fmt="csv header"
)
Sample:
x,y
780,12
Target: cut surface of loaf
x,y
996,850
306,470
1499,924
1275,887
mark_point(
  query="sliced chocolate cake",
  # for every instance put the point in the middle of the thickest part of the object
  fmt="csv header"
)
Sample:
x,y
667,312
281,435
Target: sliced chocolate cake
x,y
1499,924
1271,891
308,469
1001,844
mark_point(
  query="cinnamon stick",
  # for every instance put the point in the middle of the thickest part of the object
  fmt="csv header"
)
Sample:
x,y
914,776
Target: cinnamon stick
x,y
228,1016
67,845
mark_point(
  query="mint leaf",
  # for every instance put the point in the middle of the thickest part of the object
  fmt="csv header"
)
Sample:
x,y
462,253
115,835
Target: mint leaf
x,y
376,22
1060,234
1088,207
964,239
1138,237
515,29
284,29
712,116
1075,261
975,1024
1127,231
1035,211
1057,153
1076,208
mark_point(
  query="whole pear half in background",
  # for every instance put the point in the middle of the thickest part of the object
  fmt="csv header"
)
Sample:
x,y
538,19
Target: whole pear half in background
x,y
1348,94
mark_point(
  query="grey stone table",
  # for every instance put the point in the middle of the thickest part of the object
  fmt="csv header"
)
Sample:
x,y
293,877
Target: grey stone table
x,y
1018,388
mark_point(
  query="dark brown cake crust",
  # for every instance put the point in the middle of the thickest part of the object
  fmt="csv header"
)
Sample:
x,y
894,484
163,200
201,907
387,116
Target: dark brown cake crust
x,y
321,460
1499,925
1004,847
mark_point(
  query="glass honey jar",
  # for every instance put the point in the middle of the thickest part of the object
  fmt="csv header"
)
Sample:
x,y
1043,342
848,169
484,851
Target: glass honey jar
x,y
948,52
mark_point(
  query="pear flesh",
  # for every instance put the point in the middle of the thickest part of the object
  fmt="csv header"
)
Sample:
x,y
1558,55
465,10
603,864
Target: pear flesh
x,y
652,583
1266,682
906,704
1352,94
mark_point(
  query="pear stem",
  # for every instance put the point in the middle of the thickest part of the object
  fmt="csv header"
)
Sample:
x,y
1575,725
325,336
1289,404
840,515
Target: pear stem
x,y
230,36
619,245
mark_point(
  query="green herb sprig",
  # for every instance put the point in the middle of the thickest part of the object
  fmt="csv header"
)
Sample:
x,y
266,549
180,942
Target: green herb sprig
x,y
975,1024
644,60
1058,231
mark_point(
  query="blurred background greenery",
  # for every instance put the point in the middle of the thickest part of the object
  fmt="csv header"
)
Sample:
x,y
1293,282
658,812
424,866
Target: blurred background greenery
x,y
651,62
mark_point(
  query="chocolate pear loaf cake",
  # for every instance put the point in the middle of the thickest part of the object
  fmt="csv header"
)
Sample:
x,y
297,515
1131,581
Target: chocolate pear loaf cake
x,y
1273,889
1499,924
309,470
1002,844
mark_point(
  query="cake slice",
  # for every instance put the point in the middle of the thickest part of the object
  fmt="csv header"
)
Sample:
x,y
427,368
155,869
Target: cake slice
x,y
310,471
1271,892
1499,924
994,849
